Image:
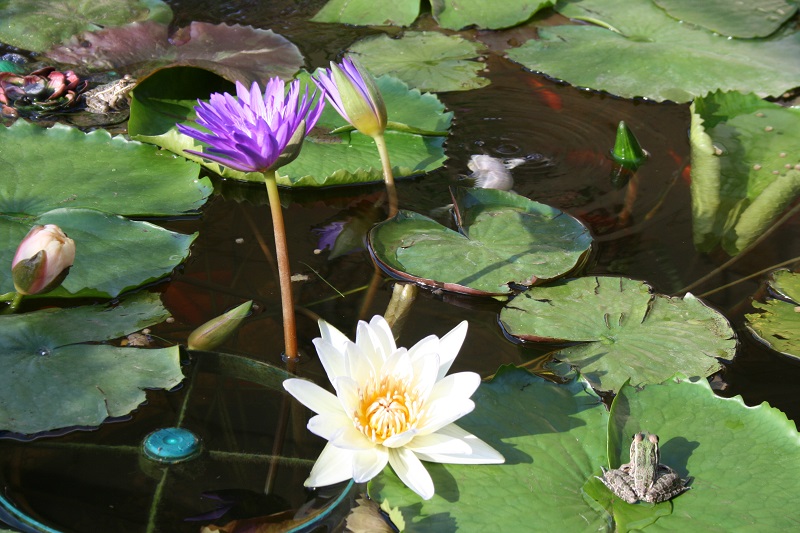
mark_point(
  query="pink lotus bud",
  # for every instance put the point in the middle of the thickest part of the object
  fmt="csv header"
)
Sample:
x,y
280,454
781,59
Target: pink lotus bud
x,y
42,260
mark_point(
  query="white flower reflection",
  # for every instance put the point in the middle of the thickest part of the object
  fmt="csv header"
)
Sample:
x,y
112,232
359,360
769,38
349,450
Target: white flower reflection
x,y
392,405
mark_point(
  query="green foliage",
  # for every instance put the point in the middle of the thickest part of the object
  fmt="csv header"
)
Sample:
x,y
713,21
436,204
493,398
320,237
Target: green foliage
x,y
58,372
623,330
429,61
745,168
503,238
756,18
636,49
777,322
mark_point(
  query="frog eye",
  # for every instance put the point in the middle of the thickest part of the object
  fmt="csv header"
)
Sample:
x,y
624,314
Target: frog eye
x,y
653,438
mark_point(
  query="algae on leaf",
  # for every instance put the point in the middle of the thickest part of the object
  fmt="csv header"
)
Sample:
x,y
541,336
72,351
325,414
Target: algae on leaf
x,y
622,330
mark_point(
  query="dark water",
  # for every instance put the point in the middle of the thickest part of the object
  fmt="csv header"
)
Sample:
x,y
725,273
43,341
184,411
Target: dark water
x,y
95,481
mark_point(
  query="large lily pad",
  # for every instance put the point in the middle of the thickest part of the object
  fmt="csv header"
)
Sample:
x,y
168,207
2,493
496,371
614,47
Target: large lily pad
x,y
642,51
326,159
56,375
745,168
46,169
427,60
755,18
720,442
504,239
113,254
777,323
553,438
450,14
234,52
623,330
38,24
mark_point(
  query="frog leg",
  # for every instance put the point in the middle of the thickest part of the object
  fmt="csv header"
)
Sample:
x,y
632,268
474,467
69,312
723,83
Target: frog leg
x,y
620,483
667,485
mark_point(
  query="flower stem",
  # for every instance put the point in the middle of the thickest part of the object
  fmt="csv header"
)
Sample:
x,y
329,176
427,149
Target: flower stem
x,y
12,307
388,177
284,273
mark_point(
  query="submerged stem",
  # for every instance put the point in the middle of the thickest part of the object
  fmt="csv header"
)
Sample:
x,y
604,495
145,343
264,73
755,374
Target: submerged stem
x,y
388,177
284,273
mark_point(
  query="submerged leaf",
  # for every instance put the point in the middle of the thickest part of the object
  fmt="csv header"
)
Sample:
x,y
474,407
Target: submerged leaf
x,y
504,239
56,375
745,168
623,330
777,322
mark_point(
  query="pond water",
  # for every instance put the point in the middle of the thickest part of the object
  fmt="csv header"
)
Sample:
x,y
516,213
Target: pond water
x,y
96,480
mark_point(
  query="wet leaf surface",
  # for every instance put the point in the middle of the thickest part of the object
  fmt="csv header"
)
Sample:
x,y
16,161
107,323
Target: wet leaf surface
x,y
777,322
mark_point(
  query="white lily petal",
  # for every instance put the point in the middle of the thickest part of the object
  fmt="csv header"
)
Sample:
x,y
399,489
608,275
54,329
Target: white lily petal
x,y
347,392
339,431
411,472
360,365
333,465
312,396
401,439
449,345
443,413
333,360
382,333
368,463
398,366
369,346
333,336
451,444
425,375
455,386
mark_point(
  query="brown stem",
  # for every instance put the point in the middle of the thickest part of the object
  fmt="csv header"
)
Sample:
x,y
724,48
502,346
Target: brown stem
x,y
284,273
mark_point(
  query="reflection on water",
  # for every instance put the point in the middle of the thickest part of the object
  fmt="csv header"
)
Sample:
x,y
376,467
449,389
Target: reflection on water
x,y
563,134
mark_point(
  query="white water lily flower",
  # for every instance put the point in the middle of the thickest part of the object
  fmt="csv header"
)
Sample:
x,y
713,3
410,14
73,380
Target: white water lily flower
x,y
392,405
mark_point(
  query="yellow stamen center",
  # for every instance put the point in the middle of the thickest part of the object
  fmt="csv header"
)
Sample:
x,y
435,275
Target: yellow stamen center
x,y
386,407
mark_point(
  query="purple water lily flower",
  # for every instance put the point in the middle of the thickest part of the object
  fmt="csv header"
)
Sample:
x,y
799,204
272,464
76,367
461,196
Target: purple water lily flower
x,y
355,95
253,132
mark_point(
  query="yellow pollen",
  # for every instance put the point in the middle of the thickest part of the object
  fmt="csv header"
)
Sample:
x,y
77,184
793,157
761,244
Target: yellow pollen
x,y
386,407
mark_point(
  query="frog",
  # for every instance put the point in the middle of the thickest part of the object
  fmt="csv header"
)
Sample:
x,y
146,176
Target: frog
x,y
109,97
644,478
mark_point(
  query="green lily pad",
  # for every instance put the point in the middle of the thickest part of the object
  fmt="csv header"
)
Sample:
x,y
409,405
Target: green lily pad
x,y
450,14
234,52
56,375
642,51
553,438
755,18
623,330
427,60
46,169
113,254
777,323
327,159
38,24
745,168
720,442
504,239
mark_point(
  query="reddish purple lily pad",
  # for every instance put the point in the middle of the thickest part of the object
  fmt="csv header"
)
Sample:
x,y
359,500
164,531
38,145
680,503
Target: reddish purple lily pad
x,y
234,52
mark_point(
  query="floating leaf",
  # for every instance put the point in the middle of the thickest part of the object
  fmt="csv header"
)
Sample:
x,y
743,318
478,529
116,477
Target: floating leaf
x,y
755,18
777,324
623,330
709,438
234,52
642,51
450,14
53,379
326,159
504,239
113,254
745,168
38,24
363,12
553,438
429,61
46,169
